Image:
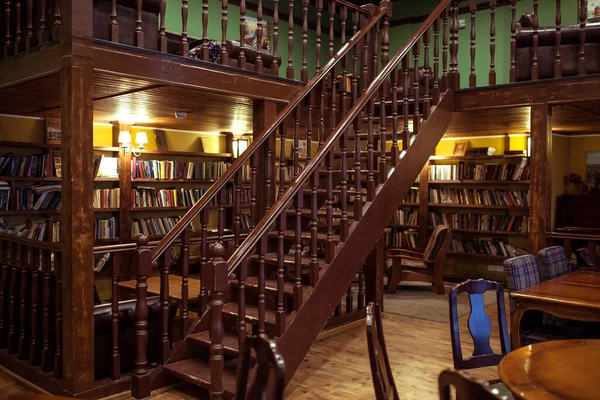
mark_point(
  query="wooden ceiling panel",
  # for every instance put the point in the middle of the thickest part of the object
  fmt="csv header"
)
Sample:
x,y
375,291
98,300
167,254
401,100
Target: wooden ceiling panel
x,y
489,122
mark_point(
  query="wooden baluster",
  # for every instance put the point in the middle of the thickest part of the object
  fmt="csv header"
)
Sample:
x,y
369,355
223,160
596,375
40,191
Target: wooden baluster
x,y
253,190
8,45
261,250
360,299
12,302
5,264
582,20
23,334
592,253
492,79
58,310
370,154
242,56
237,207
282,169
46,346
29,36
395,152
329,247
385,89
34,344
321,95
298,299
221,200
375,52
138,39
280,321
309,126
426,74
513,41
290,68
241,319
113,26
355,59
18,34
318,32
331,26
115,366
416,90
304,70
258,64
162,36
406,89
217,271
165,270
349,300
535,75
185,262
57,27
444,49
454,75
473,10
344,223
140,380
357,169
205,55
224,55
558,57
203,296
275,63
296,143
314,230
436,61
43,34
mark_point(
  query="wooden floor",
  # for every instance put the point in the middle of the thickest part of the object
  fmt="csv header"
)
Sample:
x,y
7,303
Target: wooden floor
x,y
338,367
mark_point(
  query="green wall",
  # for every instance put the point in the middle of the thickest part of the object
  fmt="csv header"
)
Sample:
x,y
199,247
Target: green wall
x,y
400,34
173,23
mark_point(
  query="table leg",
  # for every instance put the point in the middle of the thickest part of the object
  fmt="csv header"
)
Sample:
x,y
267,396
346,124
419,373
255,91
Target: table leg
x,y
515,327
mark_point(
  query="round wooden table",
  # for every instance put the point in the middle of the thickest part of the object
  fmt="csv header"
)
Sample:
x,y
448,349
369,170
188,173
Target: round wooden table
x,y
561,369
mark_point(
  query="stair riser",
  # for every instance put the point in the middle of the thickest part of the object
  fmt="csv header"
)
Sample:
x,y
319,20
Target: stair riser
x,y
270,298
271,271
230,321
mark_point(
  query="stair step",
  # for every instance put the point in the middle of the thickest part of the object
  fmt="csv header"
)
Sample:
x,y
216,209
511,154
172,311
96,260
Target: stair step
x,y
271,286
230,341
251,313
320,213
197,372
290,234
290,260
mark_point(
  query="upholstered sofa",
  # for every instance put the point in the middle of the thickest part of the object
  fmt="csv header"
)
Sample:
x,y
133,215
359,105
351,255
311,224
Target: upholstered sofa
x,y
546,51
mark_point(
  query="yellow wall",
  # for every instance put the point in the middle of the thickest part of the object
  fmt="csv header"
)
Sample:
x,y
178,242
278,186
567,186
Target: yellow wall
x,y
578,152
446,147
19,129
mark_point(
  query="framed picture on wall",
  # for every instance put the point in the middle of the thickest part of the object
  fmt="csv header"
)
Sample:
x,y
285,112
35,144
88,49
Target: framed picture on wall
x,y
460,148
592,10
251,37
53,130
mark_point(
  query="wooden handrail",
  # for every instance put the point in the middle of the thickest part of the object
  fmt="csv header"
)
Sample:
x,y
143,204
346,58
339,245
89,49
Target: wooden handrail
x,y
352,6
283,201
216,188
30,242
577,236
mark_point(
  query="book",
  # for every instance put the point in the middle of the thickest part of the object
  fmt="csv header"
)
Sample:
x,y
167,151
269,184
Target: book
x,y
108,167
57,166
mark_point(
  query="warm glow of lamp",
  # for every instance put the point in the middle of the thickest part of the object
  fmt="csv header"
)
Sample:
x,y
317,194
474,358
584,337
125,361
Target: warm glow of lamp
x,y
141,138
239,146
125,140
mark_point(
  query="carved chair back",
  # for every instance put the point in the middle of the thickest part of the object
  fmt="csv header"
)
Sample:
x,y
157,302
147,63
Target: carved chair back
x,y
466,388
269,375
383,380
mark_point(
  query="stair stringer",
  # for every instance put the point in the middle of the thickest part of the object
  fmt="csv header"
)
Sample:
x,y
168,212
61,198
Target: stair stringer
x,y
350,255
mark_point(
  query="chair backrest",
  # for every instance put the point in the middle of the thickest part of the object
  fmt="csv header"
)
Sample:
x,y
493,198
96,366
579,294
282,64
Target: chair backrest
x,y
465,386
521,272
553,262
383,380
270,363
438,244
480,325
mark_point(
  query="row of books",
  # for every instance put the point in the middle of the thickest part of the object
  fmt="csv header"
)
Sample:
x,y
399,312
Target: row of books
x,y
494,247
32,166
486,197
107,198
38,229
403,217
245,221
152,197
4,196
106,228
39,197
288,172
168,170
153,226
406,240
412,196
480,172
482,222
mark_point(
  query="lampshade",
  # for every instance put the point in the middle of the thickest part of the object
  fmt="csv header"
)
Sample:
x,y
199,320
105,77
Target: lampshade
x,y
124,138
141,138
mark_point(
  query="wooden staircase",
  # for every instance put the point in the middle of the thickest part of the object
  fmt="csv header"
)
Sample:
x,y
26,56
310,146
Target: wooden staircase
x,y
286,278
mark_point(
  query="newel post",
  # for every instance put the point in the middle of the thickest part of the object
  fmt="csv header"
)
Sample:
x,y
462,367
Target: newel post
x,y
218,284
140,380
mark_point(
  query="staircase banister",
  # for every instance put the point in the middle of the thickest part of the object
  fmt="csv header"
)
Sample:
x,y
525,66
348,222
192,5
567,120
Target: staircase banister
x,y
283,201
352,6
195,210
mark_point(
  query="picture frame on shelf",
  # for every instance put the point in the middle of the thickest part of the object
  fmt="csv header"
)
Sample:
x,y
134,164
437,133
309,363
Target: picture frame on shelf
x,y
53,131
460,148
592,10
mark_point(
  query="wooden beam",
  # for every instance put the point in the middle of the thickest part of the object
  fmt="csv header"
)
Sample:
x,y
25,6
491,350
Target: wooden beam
x,y
77,225
541,175
28,67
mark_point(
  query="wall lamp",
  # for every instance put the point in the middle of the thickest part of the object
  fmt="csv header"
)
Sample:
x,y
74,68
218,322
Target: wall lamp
x,y
141,139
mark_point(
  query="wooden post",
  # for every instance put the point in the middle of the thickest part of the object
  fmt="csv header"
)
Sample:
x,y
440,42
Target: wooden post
x,y
263,113
374,270
541,175
140,380
124,198
218,280
77,223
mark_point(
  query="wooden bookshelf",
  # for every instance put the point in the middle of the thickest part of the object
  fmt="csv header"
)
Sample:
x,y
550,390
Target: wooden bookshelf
x,y
477,231
477,206
479,182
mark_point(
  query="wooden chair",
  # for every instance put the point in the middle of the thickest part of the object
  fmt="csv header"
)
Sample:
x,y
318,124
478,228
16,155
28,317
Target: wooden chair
x,y
465,386
480,325
383,380
428,266
269,361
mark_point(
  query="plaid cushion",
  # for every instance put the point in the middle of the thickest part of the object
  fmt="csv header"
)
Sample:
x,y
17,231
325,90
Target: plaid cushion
x,y
521,272
553,263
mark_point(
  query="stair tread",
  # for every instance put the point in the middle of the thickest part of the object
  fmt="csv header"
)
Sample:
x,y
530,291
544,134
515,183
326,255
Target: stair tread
x,y
230,341
271,258
197,372
271,286
251,313
320,213
305,235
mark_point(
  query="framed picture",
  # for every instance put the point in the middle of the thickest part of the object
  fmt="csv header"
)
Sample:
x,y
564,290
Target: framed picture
x,y
592,10
460,148
593,167
53,132
250,36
